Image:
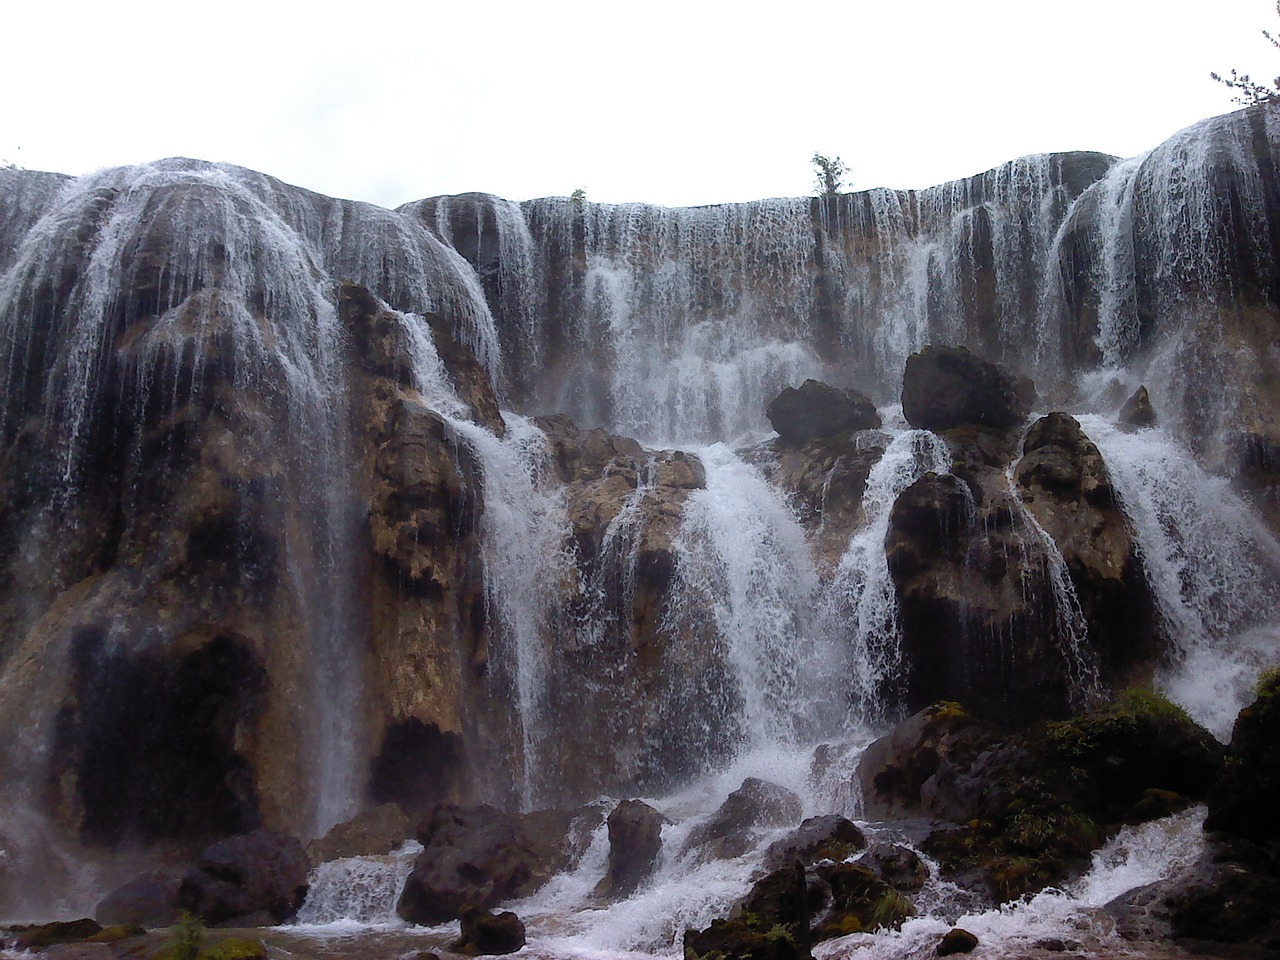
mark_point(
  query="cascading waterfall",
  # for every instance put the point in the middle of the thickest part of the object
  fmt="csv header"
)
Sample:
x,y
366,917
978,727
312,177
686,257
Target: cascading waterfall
x,y
1214,571
675,327
741,550
859,600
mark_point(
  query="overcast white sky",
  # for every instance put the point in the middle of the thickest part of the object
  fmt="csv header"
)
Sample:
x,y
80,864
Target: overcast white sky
x,y
674,103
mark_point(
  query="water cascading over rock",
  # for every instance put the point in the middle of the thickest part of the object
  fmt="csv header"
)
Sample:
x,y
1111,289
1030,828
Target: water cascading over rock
x,y
406,501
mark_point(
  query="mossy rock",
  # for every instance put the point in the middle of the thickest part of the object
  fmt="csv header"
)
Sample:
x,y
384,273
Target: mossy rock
x,y
116,932
39,936
235,948
742,938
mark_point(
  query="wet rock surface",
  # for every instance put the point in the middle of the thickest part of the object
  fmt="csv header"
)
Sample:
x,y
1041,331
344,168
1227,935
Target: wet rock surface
x,y
947,387
373,832
635,841
257,879
1035,804
815,410
732,829
478,857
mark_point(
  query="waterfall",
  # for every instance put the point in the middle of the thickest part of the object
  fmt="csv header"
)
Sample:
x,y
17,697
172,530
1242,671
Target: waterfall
x,y
1214,570
741,551
859,601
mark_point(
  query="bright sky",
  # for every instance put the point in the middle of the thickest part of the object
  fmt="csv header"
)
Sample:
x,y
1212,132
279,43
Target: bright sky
x,y
677,103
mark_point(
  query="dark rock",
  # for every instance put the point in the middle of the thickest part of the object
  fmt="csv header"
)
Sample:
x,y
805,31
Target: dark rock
x,y
946,387
898,866
1035,804
480,856
1227,903
815,409
487,934
956,941
1064,482
48,934
742,939
787,897
385,349
860,902
371,833
1057,945
150,900
259,873
1244,801
1138,411
975,565
757,804
827,837
919,768
635,840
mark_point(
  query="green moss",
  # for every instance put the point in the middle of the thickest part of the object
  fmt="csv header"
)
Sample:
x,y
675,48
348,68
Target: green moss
x,y
890,909
949,710
235,948
115,933
1268,684
838,925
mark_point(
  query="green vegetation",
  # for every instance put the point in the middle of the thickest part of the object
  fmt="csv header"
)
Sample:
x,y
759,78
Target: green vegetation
x,y
1268,684
188,938
188,943
830,172
1247,90
579,196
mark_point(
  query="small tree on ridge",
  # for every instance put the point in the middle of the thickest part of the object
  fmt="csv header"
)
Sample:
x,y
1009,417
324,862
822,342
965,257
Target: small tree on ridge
x,y
1247,90
830,174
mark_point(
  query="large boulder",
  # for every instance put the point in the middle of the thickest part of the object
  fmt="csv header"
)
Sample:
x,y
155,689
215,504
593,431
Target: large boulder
x,y
1244,802
946,387
149,900
733,829
371,833
479,857
815,409
635,840
828,837
1030,807
256,879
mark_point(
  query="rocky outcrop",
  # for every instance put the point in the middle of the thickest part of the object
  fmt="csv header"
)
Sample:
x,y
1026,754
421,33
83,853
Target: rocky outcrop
x,y
258,879
1242,802
815,410
625,506
1063,481
478,857
946,387
1034,805
732,829
1138,410
826,478
796,906
827,837
374,832
1020,586
635,841
488,934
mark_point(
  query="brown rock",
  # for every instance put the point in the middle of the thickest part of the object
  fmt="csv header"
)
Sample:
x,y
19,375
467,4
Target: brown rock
x,y
372,833
946,387
815,410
